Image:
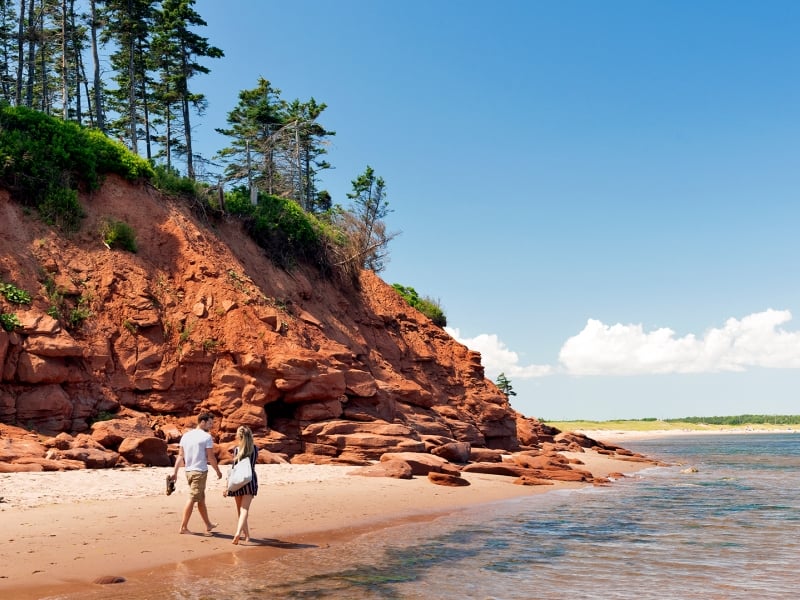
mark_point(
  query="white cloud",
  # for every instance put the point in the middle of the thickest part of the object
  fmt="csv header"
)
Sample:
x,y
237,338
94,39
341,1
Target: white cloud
x,y
755,341
497,358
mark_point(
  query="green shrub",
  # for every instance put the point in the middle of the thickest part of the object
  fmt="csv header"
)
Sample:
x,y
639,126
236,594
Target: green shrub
x,y
168,180
112,156
237,202
60,207
186,332
9,321
280,226
77,316
44,161
13,294
118,234
428,307
102,415
54,296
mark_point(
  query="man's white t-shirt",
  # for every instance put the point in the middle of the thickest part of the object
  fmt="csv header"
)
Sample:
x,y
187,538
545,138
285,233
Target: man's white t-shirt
x,y
194,444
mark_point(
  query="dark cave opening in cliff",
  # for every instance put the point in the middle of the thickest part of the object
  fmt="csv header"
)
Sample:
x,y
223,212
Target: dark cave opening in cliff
x,y
278,413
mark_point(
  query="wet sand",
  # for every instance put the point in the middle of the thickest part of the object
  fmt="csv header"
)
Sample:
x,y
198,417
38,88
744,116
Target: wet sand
x,y
65,530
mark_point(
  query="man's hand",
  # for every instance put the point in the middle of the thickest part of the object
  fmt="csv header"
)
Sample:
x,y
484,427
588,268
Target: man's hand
x,y
219,473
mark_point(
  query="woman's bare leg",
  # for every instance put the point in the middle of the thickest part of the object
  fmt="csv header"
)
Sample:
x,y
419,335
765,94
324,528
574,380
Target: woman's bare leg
x,y
243,507
238,501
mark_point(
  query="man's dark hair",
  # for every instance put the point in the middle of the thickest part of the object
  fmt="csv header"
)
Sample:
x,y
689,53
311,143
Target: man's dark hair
x,y
206,416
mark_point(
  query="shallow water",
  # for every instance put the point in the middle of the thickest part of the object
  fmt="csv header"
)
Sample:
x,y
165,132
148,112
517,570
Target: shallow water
x,y
728,531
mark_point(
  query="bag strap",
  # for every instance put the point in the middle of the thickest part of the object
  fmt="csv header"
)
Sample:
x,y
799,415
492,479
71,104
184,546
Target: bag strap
x,y
237,458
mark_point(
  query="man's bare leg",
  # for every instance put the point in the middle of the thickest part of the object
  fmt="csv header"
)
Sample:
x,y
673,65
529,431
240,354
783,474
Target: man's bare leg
x,y
201,508
187,513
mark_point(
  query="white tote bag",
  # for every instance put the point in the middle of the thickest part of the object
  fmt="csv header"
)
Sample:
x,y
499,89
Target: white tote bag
x,y
240,475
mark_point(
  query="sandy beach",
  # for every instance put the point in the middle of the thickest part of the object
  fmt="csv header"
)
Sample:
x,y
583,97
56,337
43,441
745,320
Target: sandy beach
x,y
65,530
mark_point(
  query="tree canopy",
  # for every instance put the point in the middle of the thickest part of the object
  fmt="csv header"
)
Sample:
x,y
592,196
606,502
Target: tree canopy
x,y
156,49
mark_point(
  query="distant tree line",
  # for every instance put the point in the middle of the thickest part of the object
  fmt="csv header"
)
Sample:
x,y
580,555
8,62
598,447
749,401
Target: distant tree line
x,y
741,420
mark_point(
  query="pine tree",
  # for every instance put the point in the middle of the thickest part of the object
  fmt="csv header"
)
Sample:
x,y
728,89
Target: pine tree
x,y
8,45
310,140
126,25
71,36
45,56
503,383
179,50
98,115
364,223
256,124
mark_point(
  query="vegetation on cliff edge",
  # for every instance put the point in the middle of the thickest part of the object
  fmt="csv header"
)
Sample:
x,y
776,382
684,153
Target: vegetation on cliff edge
x,y
427,306
45,161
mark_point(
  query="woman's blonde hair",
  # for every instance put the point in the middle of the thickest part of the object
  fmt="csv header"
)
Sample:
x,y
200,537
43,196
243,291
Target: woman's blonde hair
x,y
245,437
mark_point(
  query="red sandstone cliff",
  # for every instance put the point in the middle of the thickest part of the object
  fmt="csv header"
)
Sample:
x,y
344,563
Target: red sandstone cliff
x,y
200,319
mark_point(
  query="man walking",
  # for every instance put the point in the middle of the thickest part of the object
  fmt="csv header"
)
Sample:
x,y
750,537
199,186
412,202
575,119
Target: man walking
x,y
195,454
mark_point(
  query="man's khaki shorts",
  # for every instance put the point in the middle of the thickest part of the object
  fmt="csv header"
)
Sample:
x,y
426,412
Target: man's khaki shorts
x,y
197,485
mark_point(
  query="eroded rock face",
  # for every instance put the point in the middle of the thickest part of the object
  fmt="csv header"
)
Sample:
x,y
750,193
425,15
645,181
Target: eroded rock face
x,y
200,320
150,451
420,463
111,433
456,452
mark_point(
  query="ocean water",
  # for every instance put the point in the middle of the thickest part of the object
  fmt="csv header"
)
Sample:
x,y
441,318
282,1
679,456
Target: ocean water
x,y
729,531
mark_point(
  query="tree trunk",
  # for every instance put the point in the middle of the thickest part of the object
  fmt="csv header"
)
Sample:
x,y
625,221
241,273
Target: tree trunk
x,y
270,158
6,57
188,134
47,105
307,176
168,133
132,99
187,125
78,61
98,104
300,194
64,87
31,61
20,52
89,110
146,111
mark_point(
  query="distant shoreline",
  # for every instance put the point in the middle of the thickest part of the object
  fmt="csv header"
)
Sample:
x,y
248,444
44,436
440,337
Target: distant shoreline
x,y
619,435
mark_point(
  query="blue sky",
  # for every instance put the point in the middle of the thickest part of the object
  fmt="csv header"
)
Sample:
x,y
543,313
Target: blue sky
x,y
603,196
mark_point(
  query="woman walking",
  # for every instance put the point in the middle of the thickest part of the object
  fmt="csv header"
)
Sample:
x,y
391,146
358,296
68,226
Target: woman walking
x,y
246,450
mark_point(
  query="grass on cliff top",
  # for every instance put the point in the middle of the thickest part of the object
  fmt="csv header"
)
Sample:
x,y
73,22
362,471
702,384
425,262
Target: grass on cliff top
x,y
655,425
